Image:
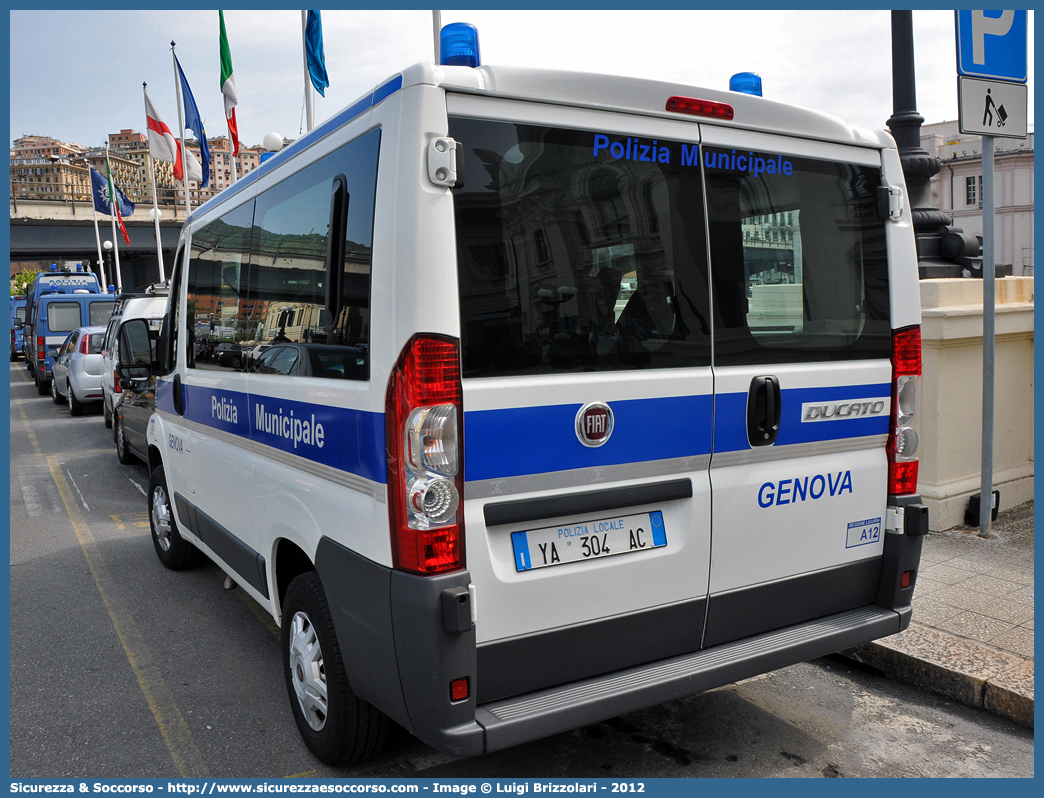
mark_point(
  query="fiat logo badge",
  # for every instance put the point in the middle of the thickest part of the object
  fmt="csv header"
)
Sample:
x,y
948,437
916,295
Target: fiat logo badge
x,y
594,424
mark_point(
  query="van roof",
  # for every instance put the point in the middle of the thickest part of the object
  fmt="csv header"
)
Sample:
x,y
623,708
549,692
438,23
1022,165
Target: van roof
x,y
585,89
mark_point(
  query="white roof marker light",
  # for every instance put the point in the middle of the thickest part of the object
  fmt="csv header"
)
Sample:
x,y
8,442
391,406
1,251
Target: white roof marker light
x,y
746,82
458,45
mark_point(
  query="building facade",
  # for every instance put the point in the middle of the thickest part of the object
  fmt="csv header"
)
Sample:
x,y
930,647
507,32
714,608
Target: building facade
x,y
957,189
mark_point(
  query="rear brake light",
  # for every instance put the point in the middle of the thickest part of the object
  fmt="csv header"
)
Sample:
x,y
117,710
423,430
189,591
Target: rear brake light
x,y
695,107
904,431
40,348
84,340
116,381
424,450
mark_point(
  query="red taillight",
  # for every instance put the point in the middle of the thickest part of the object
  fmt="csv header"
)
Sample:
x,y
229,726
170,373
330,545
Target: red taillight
x,y
40,348
459,689
695,107
426,377
906,352
116,381
904,581
904,431
84,340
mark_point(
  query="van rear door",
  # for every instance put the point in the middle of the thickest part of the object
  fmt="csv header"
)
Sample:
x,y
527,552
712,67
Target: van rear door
x,y
585,348
802,380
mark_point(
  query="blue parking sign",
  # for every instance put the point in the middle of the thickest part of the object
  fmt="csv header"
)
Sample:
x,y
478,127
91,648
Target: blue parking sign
x,y
992,44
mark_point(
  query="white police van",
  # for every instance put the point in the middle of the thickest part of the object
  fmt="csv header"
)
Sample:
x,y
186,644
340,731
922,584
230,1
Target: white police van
x,y
585,393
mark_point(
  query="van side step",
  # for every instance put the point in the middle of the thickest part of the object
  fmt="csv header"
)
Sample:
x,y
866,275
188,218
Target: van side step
x,y
512,721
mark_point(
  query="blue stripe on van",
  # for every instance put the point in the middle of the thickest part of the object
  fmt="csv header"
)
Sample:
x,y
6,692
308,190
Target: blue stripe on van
x,y
533,440
730,433
352,440
344,117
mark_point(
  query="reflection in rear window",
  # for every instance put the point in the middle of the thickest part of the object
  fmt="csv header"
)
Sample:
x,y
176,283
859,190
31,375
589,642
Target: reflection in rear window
x,y
94,345
578,251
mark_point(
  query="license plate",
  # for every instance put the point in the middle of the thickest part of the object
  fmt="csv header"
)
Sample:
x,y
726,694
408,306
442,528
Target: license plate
x,y
588,540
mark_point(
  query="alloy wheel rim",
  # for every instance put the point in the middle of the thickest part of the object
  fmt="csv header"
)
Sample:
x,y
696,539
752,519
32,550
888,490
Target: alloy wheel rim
x,y
161,517
308,671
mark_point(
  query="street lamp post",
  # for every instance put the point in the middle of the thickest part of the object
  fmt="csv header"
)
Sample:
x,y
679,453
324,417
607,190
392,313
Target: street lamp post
x,y
107,246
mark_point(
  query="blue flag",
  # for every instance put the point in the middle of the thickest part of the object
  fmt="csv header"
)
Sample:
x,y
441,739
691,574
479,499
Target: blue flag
x,y
102,201
194,122
314,48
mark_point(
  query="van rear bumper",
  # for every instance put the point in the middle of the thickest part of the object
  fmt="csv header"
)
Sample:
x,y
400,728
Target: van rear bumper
x,y
545,712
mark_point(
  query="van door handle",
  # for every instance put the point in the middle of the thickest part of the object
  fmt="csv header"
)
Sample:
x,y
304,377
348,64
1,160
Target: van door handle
x,y
179,401
763,411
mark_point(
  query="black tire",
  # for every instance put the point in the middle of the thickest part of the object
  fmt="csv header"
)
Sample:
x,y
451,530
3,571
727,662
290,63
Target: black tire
x,y
108,415
76,407
56,397
172,549
235,361
349,729
43,387
123,452
14,356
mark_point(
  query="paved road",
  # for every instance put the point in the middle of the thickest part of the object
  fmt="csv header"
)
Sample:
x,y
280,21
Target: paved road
x,y
120,667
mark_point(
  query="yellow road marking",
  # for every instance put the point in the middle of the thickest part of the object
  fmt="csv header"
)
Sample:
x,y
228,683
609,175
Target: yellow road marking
x,y
135,520
172,725
30,434
24,375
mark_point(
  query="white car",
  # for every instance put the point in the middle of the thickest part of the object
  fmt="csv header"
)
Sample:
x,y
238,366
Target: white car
x,y
151,305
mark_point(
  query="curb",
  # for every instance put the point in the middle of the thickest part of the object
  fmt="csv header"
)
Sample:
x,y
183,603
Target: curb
x,y
967,672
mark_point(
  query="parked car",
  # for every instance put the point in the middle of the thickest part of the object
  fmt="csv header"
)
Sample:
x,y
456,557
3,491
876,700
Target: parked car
x,y
77,369
130,419
150,305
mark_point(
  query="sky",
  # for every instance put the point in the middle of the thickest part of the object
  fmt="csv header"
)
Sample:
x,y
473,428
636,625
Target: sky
x,y
77,75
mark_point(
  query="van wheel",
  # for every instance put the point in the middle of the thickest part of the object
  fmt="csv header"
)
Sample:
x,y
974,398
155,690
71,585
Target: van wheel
x,y
55,396
337,727
75,405
172,549
107,414
14,356
41,385
123,452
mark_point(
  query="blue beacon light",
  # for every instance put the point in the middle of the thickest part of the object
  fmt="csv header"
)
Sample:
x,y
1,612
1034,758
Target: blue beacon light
x,y
746,82
458,45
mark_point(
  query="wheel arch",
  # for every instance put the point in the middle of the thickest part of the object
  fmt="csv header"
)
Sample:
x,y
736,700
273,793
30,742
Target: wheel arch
x,y
290,561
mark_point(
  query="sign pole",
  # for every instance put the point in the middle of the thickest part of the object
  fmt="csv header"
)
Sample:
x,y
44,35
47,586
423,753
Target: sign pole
x,y
988,338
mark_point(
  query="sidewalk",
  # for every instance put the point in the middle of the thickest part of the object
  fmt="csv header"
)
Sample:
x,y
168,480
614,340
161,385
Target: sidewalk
x,y
971,637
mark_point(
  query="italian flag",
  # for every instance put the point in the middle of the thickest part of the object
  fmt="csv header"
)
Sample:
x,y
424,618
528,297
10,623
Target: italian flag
x,y
228,87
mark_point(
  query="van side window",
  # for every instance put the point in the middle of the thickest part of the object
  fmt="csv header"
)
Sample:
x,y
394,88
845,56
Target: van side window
x,y
799,259
285,295
217,314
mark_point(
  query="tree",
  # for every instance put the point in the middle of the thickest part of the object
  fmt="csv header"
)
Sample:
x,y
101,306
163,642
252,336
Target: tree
x,y
20,282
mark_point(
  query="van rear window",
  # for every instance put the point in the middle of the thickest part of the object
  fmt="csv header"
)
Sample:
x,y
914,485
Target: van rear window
x,y
100,312
63,316
578,250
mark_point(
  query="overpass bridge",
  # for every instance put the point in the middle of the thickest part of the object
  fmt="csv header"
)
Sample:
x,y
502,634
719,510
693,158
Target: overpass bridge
x,y
56,231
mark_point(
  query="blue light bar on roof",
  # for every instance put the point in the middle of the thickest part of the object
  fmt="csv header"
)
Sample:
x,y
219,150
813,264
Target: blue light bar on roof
x,y
746,82
458,45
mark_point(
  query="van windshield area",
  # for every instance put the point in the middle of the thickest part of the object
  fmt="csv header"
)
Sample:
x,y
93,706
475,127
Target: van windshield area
x,y
586,250
63,316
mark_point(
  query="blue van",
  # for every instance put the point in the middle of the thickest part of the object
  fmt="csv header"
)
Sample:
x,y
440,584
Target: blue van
x,y
54,317
18,304
63,280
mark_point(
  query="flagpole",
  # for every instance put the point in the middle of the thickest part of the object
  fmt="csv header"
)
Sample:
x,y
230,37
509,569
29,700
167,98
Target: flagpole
x,y
181,126
97,235
114,204
232,157
436,24
155,202
307,76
